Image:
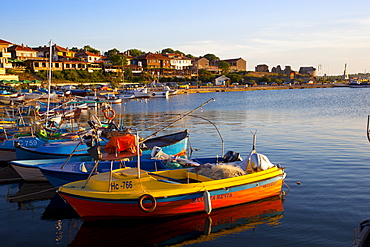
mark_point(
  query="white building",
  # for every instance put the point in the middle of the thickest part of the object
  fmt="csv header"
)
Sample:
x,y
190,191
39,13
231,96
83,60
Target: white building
x,y
221,80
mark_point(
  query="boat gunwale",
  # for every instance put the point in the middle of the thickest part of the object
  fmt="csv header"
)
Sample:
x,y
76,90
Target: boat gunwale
x,y
198,187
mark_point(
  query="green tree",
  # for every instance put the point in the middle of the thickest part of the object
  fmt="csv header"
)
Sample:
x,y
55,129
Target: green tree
x,y
111,52
205,75
167,50
224,66
135,52
211,57
234,77
128,74
264,79
92,50
277,81
118,59
190,56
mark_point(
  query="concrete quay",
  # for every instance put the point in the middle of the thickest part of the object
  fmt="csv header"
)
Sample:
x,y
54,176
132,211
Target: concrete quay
x,y
253,88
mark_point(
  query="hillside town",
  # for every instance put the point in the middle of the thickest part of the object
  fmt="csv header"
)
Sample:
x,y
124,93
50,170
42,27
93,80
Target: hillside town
x,y
164,66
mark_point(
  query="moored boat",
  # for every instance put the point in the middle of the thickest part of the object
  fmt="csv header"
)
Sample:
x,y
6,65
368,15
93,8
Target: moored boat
x,y
59,172
133,192
184,230
174,144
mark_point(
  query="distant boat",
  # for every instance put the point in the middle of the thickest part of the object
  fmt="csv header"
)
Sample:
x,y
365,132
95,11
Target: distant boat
x,y
112,98
158,94
40,95
124,96
140,92
357,84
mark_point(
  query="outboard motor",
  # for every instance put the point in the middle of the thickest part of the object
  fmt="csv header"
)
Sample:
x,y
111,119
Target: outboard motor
x,y
231,156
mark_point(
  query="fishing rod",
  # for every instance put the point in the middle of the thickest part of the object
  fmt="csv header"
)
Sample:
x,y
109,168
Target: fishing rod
x,y
180,118
218,131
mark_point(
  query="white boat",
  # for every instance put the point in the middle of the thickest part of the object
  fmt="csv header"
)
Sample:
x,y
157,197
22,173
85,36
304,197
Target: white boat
x,y
125,96
6,93
92,100
28,172
112,98
6,97
170,91
140,92
18,97
39,95
158,93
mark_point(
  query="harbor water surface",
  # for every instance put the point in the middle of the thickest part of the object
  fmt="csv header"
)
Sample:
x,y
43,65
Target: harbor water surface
x,y
318,135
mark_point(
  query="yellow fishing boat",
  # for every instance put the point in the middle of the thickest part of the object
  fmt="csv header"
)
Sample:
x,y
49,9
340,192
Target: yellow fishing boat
x,y
132,192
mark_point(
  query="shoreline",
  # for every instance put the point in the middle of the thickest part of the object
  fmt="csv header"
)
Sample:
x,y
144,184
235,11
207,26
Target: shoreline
x,y
254,88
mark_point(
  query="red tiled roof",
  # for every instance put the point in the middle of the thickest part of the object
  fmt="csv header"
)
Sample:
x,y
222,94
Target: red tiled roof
x,y
4,42
59,48
87,53
20,48
152,56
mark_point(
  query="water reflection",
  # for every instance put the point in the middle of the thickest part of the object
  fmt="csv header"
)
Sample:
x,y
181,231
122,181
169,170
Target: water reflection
x,y
31,191
185,230
58,209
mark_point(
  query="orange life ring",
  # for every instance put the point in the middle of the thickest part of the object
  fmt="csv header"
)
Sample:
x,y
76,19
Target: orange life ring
x,y
152,200
109,114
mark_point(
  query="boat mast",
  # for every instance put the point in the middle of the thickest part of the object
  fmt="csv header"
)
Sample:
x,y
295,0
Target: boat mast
x,y
49,76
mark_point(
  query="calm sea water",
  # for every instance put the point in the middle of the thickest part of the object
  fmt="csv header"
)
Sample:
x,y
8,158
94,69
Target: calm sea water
x,y
318,135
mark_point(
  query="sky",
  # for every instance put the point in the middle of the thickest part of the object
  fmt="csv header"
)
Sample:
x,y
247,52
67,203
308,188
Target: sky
x,y
325,34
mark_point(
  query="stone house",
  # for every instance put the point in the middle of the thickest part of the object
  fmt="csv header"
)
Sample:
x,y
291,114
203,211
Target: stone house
x,y
262,68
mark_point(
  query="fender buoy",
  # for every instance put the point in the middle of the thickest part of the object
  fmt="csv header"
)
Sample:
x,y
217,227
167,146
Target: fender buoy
x,y
43,133
109,114
152,200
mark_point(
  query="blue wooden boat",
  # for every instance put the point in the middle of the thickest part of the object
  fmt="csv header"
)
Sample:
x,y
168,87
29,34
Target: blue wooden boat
x,y
7,147
28,159
172,144
58,173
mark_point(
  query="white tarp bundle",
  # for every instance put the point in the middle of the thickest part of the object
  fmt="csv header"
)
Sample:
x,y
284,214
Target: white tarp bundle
x,y
256,162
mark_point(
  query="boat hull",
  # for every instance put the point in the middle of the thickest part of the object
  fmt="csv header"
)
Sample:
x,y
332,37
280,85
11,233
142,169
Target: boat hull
x,y
75,171
29,157
184,230
56,150
59,175
7,154
223,193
